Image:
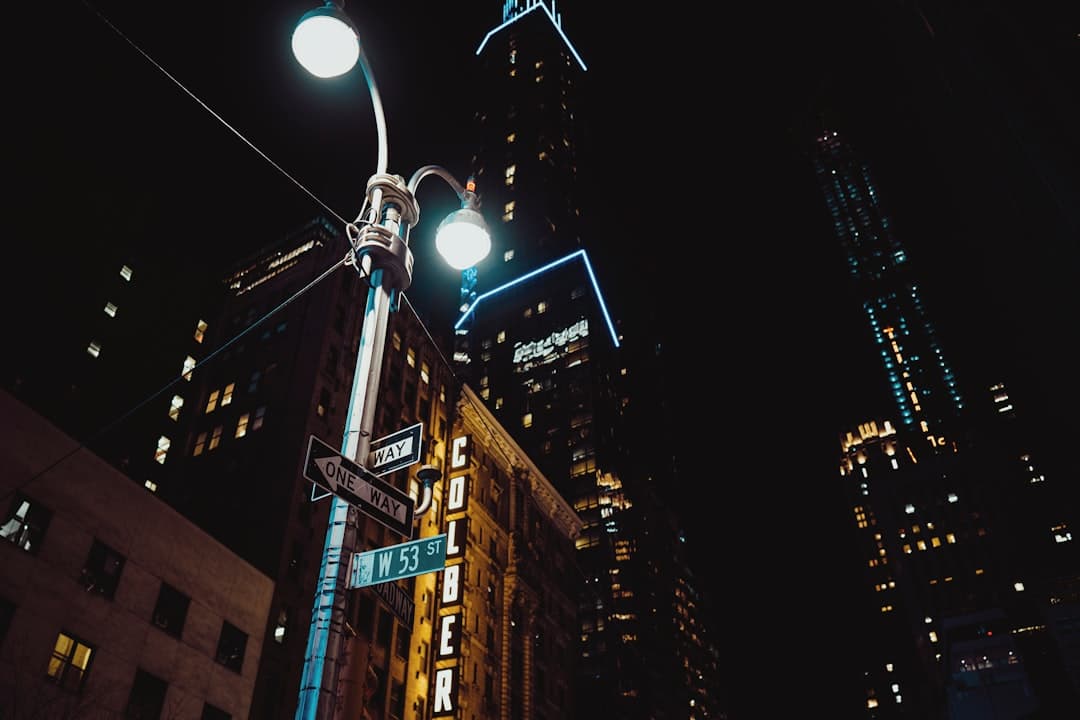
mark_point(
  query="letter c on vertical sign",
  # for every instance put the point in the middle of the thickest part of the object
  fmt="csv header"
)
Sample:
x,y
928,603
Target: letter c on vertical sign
x,y
459,452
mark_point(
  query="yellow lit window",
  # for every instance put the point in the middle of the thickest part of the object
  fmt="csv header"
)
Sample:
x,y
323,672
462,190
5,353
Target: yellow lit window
x,y
211,404
200,444
200,331
226,397
69,662
410,357
526,420
175,404
163,444
510,138
425,373
189,365
241,425
215,437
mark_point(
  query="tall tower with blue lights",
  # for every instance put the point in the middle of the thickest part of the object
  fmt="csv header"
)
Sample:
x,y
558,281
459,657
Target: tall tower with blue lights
x,y
921,380
537,340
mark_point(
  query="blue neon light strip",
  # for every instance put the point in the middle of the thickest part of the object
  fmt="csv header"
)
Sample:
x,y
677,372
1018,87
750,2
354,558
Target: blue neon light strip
x,y
539,271
556,22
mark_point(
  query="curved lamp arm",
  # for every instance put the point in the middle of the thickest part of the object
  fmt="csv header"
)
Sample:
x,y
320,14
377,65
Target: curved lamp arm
x,y
327,44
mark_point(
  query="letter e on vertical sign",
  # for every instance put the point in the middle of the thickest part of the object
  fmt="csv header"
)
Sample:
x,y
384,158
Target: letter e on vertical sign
x,y
449,636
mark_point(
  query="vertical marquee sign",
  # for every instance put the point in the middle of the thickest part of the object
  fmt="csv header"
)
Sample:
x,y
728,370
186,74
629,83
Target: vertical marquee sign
x,y
448,652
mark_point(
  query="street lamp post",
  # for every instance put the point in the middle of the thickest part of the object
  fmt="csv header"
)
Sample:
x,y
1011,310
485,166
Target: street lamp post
x,y
327,44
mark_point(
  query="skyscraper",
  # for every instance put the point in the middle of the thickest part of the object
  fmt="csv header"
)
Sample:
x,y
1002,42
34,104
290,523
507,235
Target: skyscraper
x,y
538,340
966,556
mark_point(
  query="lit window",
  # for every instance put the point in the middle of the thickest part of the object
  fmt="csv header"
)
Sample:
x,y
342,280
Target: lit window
x,y
541,308
526,420
110,309
25,523
485,393
174,407
257,422
241,425
189,365
501,337
70,662
163,444
126,273
508,256
93,349
395,340
425,373
150,485
211,404
410,357
279,629
226,397
215,438
200,444
510,138
200,331
498,403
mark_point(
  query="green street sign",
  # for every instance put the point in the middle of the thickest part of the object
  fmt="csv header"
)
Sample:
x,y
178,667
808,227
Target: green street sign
x,y
407,559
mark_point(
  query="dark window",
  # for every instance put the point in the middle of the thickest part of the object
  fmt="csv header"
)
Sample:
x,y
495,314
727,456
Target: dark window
x,y
101,573
386,626
147,697
364,609
397,699
70,662
231,645
7,612
25,523
171,610
209,712
401,642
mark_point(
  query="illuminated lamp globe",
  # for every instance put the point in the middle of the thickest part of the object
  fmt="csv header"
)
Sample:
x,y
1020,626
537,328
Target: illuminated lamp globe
x,y
325,42
463,239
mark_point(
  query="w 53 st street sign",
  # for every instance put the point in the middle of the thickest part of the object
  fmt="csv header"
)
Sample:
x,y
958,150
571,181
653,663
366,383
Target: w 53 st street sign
x,y
398,561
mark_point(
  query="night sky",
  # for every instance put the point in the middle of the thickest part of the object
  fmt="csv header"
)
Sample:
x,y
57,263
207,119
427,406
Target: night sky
x,y
703,201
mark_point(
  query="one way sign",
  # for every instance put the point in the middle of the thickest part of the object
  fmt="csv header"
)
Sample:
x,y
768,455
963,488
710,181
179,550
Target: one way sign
x,y
396,450
358,486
